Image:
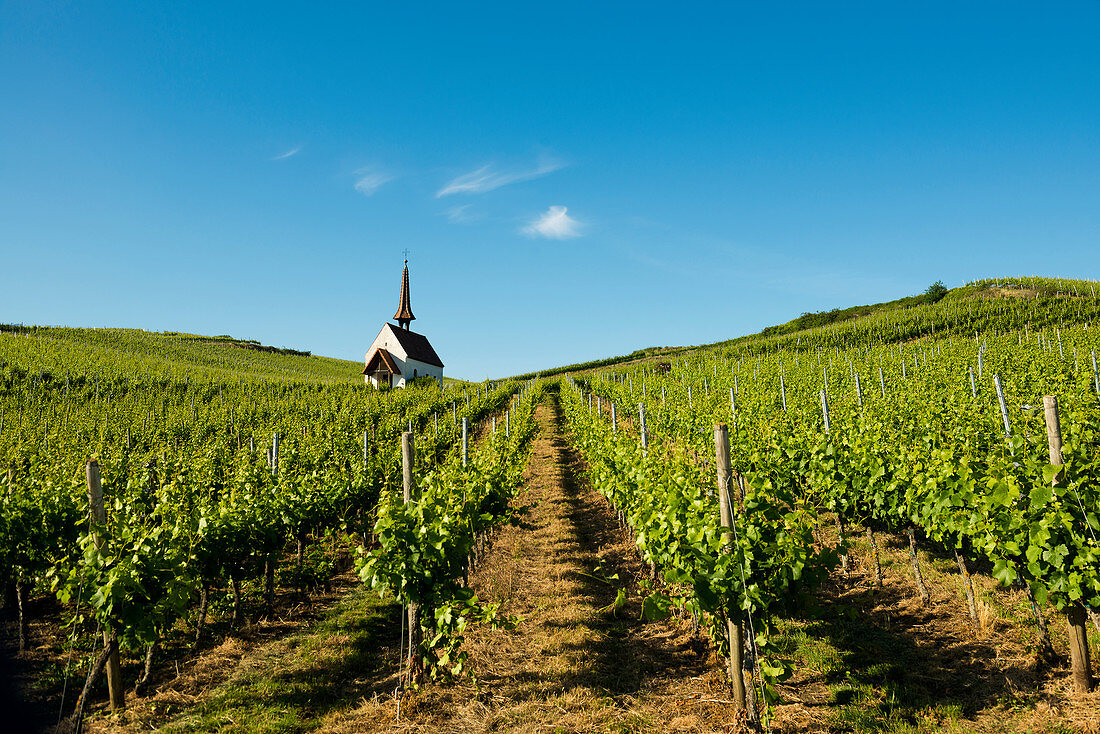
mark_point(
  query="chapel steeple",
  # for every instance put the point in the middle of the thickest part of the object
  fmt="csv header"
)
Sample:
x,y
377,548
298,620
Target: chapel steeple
x,y
404,310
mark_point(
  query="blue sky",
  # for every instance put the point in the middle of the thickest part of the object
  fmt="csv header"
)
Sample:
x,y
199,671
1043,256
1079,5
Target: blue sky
x,y
572,180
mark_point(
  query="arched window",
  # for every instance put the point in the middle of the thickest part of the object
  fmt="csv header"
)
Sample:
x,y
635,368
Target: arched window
x,y
414,374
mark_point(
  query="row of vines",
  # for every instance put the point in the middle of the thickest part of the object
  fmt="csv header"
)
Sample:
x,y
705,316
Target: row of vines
x,y
986,445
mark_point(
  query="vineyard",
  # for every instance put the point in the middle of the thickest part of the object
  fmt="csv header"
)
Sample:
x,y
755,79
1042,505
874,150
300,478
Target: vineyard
x,y
137,499
982,444
740,536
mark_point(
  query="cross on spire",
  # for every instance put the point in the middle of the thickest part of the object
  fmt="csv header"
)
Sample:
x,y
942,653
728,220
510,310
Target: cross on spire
x,y
405,252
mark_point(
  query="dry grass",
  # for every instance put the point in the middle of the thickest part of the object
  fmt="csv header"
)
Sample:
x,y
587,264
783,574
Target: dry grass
x,y
40,675
878,660
184,681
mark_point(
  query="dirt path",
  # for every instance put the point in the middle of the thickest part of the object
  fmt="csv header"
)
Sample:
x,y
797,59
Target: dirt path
x,y
574,663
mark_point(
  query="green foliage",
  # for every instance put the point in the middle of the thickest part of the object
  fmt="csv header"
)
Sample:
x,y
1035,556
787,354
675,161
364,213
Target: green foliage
x,y
935,292
424,545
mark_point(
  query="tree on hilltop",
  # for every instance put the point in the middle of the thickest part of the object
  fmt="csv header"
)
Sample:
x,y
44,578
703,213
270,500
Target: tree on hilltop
x,y
935,292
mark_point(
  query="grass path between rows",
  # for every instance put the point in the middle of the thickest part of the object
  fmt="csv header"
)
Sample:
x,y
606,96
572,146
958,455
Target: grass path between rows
x,y
574,663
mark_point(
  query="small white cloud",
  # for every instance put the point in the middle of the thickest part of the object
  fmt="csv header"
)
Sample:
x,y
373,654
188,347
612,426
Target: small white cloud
x,y
282,156
486,178
370,180
461,214
554,224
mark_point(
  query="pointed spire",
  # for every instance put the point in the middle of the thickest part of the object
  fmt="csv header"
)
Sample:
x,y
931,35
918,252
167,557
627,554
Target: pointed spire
x,y
404,310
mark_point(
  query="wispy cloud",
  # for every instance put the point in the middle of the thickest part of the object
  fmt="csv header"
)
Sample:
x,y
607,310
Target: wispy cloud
x,y
461,214
488,178
554,224
287,154
369,180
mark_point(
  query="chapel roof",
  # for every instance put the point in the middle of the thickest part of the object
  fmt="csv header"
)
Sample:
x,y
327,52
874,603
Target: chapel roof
x,y
416,346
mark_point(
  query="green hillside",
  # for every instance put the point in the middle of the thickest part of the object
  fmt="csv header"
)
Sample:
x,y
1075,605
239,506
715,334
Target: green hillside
x,y
953,309
978,306
168,355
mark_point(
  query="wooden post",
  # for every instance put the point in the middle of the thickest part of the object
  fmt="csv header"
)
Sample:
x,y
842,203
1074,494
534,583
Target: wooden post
x,y
783,392
465,441
408,459
151,485
881,382
1004,407
825,409
614,419
859,393
733,612
366,450
1095,374
1075,613
97,516
642,428
973,386
924,596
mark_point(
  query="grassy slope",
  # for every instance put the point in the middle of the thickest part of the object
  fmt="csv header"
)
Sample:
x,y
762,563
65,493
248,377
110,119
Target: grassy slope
x,y
138,353
1029,287
169,355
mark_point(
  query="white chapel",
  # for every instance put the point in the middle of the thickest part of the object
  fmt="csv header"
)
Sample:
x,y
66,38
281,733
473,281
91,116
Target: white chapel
x,y
399,355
